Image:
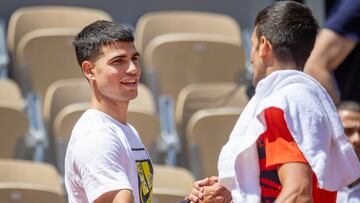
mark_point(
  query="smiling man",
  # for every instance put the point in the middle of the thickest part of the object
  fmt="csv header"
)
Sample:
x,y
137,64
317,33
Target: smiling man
x,y
105,159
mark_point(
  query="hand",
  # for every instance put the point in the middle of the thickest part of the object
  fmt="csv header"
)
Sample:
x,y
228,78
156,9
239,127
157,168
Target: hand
x,y
216,194
198,188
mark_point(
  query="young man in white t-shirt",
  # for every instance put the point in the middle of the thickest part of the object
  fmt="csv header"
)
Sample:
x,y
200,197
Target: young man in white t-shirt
x,y
105,159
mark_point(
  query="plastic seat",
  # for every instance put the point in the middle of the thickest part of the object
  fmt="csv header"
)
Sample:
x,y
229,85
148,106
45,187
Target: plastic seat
x,y
154,24
10,93
178,60
45,56
62,93
29,182
171,184
13,120
195,97
26,19
208,130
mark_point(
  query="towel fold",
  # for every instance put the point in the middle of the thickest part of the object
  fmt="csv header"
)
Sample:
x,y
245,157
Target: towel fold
x,y
313,122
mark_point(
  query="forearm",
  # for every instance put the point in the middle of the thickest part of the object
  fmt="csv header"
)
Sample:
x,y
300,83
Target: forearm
x,y
296,196
329,52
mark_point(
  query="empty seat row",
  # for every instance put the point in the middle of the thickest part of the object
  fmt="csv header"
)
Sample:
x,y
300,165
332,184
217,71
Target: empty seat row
x,y
66,100
181,47
30,182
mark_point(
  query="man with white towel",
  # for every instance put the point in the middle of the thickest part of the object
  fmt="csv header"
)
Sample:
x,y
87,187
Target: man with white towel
x,y
288,144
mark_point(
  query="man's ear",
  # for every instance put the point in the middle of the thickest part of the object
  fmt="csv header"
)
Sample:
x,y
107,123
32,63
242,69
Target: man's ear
x,y
88,69
265,48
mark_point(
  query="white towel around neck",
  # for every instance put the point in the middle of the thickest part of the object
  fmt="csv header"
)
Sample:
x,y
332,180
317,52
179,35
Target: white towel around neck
x,y
313,122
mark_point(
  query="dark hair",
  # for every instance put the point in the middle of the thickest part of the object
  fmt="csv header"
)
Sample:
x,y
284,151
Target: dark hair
x,y
92,38
291,30
350,106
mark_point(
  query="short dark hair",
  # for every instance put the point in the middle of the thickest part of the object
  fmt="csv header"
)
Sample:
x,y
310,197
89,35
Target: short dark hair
x,y
350,106
93,37
291,30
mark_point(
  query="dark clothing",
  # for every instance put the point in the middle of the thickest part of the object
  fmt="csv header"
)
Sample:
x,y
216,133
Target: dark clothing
x,y
344,19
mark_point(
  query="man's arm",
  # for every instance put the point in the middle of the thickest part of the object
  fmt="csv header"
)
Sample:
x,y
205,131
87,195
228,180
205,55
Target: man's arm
x,y
118,196
330,50
296,181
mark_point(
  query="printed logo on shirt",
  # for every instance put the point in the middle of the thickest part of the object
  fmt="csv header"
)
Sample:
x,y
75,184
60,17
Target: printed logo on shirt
x,y
145,175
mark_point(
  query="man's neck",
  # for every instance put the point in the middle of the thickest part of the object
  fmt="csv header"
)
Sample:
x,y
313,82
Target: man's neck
x,y
114,109
277,65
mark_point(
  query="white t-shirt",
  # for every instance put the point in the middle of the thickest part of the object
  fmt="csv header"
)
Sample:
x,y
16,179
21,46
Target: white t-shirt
x,y
105,155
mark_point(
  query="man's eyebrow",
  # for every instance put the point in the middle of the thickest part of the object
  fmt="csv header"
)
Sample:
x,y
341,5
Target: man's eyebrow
x,y
117,56
136,54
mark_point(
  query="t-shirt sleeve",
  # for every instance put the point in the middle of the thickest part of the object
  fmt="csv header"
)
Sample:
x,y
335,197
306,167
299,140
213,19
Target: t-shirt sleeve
x,y
345,20
280,145
101,160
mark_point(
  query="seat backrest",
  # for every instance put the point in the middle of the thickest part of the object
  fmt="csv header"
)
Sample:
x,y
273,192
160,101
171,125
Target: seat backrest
x,y
195,97
62,93
14,125
13,120
147,125
178,60
154,24
46,55
66,119
29,182
164,177
209,130
10,93
27,19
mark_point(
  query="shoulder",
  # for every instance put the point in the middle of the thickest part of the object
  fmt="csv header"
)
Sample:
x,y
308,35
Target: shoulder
x,y
95,137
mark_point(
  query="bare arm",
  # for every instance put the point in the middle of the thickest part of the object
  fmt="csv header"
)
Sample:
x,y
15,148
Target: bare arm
x,y
329,52
118,196
296,181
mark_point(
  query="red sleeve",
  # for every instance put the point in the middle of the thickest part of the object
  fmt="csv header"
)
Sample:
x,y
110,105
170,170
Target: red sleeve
x,y
280,145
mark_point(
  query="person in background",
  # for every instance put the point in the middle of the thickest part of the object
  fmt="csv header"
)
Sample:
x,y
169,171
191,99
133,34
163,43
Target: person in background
x,y
337,49
349,112
105,159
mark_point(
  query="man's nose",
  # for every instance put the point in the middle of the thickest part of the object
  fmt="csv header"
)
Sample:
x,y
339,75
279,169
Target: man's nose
x,y
133,68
